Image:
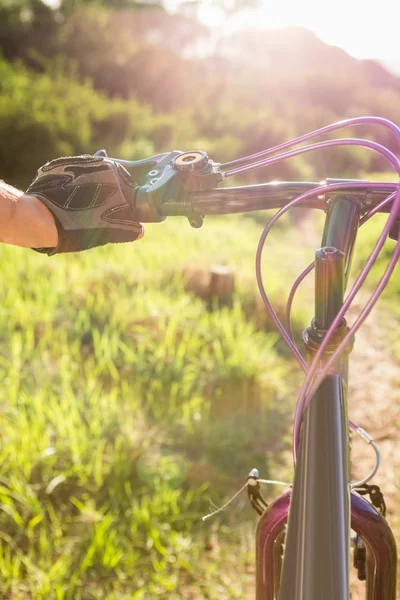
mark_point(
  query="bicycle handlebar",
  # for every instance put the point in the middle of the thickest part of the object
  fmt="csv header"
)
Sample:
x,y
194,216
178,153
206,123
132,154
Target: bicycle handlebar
x,y
184,184
276,195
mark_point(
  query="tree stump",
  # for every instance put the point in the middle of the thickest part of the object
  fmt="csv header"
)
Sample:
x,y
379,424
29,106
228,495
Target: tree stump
x,y
222,285
216,285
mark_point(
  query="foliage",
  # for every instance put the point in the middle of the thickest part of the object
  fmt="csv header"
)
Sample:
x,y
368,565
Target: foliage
x,y
140,82
52,114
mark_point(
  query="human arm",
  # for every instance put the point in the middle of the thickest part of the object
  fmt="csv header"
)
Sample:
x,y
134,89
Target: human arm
x,y
73,204
91,199
24,220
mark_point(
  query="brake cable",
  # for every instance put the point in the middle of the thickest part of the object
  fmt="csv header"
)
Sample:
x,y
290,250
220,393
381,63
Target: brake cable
x,y
318,132
392,216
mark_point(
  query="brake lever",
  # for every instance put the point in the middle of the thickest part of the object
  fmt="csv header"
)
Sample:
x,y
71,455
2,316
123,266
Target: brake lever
x,y
162,183
172,177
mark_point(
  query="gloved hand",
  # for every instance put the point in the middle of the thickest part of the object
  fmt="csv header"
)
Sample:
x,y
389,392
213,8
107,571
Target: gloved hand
x,y
91,199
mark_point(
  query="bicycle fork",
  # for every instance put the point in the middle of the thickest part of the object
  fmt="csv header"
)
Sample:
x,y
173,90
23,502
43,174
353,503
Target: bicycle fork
x,y
365,521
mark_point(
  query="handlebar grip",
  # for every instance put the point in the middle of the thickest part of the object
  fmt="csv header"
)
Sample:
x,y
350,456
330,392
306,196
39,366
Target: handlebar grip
x,y
144,210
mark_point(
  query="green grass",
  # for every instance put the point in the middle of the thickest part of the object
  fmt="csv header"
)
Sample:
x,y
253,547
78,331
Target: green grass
x,y
126,404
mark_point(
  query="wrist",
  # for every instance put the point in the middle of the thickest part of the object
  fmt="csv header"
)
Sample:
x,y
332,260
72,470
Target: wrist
x,y
45,233
24,220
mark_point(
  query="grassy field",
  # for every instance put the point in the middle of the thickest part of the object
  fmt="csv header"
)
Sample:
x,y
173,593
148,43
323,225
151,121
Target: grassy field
x,y
127,403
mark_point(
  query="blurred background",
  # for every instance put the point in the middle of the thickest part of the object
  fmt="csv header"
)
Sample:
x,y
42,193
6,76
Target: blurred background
x,y
135,391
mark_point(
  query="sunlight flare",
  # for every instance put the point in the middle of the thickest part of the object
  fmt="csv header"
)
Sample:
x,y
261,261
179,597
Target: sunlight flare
x,y
357,27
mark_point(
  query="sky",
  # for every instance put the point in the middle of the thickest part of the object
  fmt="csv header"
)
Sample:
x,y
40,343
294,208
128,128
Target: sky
x,y
364,28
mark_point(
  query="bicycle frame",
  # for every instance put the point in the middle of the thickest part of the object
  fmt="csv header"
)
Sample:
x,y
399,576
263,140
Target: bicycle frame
x,y
316,557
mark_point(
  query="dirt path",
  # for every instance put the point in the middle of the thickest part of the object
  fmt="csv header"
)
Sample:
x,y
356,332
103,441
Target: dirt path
x,y
374,404
374,401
